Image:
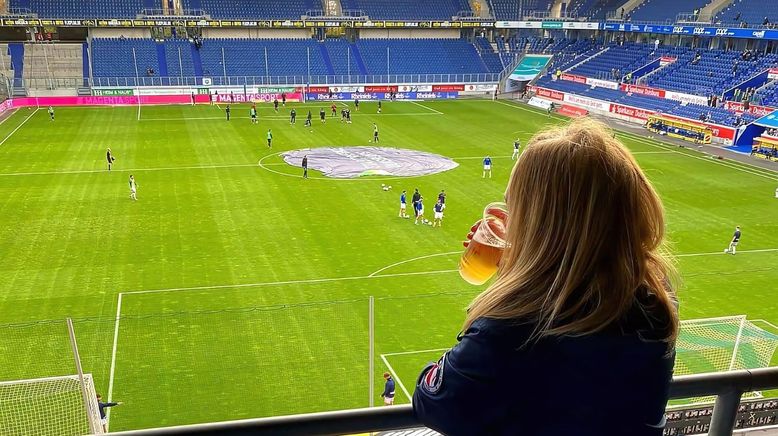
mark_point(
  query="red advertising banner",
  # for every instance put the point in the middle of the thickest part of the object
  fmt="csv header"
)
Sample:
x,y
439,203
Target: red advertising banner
x,y
664,60
550,93
632,112
574,78
319,89
643,90
736,106
572,111
386,88
772,73
447,88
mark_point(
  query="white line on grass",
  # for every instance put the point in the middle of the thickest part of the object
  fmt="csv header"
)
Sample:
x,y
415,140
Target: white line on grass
x,y
194,167
766,322
287,282
403,353
13,112
275,117
716,253
413,260
427,107
19,126
396,377
113,350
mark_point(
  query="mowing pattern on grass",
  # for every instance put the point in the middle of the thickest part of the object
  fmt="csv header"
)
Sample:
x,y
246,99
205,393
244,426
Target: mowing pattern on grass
x,y
213,233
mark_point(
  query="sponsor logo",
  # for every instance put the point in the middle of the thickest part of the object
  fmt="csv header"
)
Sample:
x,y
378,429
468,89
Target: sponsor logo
x,y
759,34
721,32
699,30
677,29
556,95
636,89
632,112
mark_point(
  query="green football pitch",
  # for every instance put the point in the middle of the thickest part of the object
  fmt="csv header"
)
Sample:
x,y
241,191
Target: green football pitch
x,y
233,288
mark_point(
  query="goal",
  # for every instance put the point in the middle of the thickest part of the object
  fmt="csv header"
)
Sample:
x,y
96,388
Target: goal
x,y
722,344
49,406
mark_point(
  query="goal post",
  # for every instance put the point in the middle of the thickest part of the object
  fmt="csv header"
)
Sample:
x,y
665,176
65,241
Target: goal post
x,y
49,406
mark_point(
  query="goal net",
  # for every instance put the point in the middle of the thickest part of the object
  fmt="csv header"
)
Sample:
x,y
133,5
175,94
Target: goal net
x,y
723,344
48,406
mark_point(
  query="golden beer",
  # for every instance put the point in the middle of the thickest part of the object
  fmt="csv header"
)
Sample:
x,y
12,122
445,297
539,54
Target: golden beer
x,y
482,256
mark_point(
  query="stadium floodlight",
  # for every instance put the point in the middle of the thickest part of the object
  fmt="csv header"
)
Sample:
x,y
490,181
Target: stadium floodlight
x,y
49,406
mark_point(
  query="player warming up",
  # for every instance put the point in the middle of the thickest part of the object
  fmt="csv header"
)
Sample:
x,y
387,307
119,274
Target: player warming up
x,y
305,166
438,221
442,198
487,167
379,106
334,110
227,112
269,139
254,114
402,205
109,157
293,117
356,104
102,406
388,394
51,113
322,115
275,104
375,132
308,122
733,243
419,211
133,188
516,149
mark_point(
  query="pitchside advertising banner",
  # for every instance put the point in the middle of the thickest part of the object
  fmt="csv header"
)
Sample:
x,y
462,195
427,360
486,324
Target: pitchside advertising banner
x,y
736,106
367,96
773,73
770,121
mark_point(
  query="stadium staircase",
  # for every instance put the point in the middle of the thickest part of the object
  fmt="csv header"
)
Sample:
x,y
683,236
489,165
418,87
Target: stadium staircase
x,y
358,59
712,9
576,65
197,61
327,61
162,60
16,52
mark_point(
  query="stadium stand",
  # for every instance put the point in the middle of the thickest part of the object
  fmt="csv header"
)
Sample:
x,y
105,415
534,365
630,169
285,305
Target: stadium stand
x,y
490,57
602,8
665,10
407,9
768,94
246,57
751,12
622,58
236,9
178,54
113,57
421,56
714,73
84,8
344,58
514,10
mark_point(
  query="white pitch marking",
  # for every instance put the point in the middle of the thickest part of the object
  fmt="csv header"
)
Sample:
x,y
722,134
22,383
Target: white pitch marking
x,y
403,353
19,126
113,351
396,377
428,108
9,116
413,260
194,167
717,253
287,282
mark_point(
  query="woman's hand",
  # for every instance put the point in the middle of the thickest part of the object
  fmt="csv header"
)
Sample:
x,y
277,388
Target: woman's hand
x,y
472,232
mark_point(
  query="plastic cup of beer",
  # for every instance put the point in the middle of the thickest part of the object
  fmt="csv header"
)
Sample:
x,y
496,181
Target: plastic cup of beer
x,y
482,256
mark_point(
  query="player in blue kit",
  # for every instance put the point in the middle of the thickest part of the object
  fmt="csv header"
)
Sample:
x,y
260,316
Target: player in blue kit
x,y
735,240
419,211
403,199
487,167
438,220
516,148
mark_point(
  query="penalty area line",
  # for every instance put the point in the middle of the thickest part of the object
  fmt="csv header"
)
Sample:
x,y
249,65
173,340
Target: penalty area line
x,y
19,126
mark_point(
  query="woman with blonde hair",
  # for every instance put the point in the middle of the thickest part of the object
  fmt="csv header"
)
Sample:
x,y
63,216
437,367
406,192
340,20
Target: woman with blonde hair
x,y
576,335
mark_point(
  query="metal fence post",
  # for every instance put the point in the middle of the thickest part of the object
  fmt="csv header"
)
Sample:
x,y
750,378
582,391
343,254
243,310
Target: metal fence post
x,y
725,413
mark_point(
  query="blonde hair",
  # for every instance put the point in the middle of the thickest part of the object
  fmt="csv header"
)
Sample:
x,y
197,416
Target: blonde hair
x,y
586,239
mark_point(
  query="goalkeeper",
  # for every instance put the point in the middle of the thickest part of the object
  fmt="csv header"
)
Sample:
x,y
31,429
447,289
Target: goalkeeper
x,y
102,407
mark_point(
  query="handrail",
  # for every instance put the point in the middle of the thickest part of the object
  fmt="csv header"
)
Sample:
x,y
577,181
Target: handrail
x,y
728,386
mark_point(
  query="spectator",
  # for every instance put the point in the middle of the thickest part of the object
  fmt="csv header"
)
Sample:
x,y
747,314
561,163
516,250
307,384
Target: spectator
x,y
766,21
560,317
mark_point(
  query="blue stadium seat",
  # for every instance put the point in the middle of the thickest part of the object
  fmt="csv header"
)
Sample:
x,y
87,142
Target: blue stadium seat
x,y
254,9
123,57
751,12
512,10
83,8
665,10
408,9
421,56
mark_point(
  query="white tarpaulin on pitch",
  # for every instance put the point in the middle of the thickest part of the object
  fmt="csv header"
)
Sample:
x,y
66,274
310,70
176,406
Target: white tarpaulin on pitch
x,y
352,162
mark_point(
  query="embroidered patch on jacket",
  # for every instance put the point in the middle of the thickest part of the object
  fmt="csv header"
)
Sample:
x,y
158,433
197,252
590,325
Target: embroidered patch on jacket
x,y
433,380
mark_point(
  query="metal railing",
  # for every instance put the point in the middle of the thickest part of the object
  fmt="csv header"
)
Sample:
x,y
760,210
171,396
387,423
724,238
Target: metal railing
x,y
727,386
295,80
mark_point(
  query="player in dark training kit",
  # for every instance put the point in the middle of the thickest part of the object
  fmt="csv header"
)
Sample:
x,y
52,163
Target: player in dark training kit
x,y
293,117
110,158
275,104
322,115
51,113
308,122
735,240
269,139
305,166
375,132
415,199
356,104
283,99
227,111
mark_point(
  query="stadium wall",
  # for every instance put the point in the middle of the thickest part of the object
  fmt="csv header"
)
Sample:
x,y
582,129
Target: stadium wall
x,y
135,32
258,33
408,33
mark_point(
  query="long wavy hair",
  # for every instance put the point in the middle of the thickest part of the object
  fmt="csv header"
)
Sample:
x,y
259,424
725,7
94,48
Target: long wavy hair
x,y
586,235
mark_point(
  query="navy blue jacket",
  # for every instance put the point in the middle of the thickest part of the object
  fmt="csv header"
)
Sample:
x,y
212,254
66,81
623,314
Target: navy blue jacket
x,y
610,383
102,406
388,388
